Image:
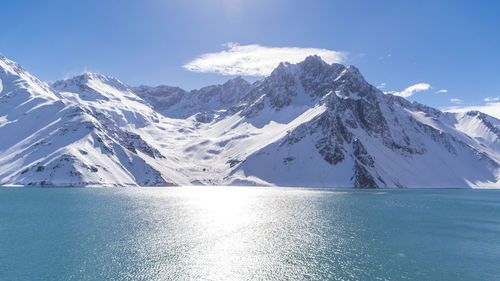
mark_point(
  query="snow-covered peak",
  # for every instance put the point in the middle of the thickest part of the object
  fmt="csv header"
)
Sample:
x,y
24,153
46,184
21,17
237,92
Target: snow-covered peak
x,y
90,79
92,76
106,96
16,81
93,87
480,126
10,67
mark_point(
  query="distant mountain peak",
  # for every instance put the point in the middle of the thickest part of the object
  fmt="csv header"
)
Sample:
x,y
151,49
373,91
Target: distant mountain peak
x,y
87,77
93,75
238,80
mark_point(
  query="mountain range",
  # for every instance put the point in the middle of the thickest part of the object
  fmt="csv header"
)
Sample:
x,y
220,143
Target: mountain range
x,y
307,124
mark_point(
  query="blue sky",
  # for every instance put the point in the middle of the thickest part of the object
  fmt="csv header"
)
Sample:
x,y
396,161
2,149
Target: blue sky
x,y
439,45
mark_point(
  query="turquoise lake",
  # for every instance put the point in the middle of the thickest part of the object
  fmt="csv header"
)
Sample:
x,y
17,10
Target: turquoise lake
x,y
248,233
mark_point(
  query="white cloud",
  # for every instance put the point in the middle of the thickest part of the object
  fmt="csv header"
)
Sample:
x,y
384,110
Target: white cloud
x,y
381,85
495,99
443,91
256,60
384,57
454,100
492,109
410,91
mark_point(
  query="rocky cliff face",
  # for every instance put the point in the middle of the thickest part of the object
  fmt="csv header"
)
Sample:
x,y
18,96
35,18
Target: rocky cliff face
x,y
307,124
205,104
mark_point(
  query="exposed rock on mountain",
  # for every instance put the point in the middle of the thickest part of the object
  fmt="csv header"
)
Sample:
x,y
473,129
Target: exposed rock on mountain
x,y
205,103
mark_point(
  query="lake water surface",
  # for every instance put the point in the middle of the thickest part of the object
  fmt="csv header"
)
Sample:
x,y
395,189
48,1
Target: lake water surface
x,y
248,233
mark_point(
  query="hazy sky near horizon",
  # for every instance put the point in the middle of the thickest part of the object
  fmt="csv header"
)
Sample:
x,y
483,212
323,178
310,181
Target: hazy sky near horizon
x,y
440,53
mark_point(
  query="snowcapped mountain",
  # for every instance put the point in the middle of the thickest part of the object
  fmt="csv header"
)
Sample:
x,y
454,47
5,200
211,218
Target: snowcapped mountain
x,y
306,124
52,136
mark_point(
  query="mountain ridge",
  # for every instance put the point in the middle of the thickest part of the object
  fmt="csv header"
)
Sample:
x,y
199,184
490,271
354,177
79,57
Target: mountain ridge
x,y
306,124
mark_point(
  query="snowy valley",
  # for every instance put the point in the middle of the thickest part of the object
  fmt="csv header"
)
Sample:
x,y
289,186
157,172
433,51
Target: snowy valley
x,y
307,124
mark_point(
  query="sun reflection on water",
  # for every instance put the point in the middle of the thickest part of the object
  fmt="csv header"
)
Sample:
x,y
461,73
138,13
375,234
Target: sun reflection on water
x,y
227,233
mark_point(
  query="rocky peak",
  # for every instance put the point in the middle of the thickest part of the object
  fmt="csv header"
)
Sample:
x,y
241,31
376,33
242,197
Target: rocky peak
x,y
233,90
236,82
157,90
162,97
305,83
351,84
313,63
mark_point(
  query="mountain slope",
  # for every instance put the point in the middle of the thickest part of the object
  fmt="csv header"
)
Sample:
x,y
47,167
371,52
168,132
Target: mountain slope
x,y
307,124
64,138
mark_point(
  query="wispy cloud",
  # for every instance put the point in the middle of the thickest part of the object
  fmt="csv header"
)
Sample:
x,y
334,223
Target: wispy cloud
x,y
70,74
455,100
492,107
385,57
410,91
495,99
256,60
381,85
443,91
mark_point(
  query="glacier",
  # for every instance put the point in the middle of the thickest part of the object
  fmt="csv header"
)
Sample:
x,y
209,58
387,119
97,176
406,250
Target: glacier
x,y
307,124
